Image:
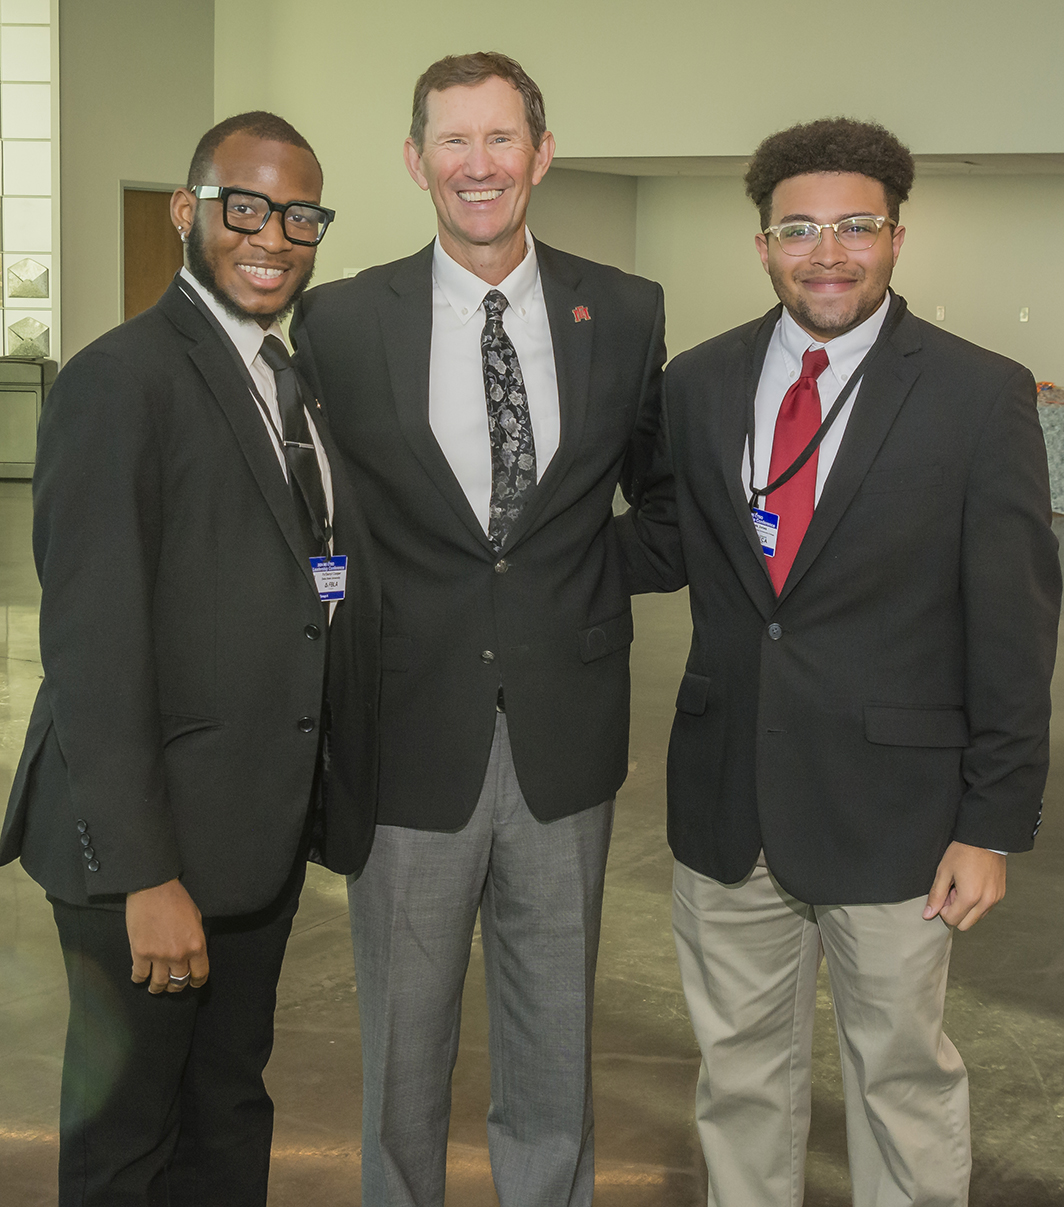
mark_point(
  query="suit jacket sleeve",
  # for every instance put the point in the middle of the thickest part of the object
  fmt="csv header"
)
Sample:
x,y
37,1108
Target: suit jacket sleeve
x,y
1011,598
640,455
649,531
98,518
303,356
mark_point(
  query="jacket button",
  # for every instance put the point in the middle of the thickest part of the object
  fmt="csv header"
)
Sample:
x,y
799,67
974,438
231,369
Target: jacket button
x,y
487,656
89,853
82,826
312,632
775,631
501,566
85,839
94,865
306,724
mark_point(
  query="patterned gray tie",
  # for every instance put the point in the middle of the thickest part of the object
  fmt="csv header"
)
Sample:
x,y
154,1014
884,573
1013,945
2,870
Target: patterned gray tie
x,y
513,448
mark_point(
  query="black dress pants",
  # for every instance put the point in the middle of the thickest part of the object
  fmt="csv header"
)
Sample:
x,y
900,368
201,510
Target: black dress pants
x,y
163,1102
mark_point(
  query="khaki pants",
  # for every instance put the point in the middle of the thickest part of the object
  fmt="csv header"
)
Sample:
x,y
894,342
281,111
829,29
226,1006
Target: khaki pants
x,y
748,956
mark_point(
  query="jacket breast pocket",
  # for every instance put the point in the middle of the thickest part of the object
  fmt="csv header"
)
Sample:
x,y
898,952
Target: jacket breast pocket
x,y
607,637
906,478
894,725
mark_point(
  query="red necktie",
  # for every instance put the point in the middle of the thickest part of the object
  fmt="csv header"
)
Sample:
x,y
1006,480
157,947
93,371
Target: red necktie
x,y
793,502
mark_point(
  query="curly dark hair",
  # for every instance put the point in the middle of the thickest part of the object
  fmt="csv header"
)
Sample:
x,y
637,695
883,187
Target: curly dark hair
x,y
470,69
832,144
259,124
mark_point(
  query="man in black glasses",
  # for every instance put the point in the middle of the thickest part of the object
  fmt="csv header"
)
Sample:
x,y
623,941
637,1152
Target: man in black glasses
x,y
859,503
192,531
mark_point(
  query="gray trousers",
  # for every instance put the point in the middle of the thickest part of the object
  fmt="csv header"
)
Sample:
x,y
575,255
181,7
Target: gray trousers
x,y
538,887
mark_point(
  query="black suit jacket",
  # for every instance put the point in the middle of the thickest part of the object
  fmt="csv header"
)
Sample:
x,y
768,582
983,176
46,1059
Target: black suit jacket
x,y
183,642
896,695
550,619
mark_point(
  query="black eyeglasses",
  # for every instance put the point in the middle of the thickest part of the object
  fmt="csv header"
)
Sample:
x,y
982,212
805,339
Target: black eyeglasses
x,y
247,213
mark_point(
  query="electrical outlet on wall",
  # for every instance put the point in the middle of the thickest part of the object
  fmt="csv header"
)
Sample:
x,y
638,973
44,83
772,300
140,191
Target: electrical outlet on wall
x,y
940,313
1025,314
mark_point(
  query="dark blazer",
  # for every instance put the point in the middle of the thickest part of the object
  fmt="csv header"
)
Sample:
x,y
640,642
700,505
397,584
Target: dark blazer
x,y
896,695
550,619
183,642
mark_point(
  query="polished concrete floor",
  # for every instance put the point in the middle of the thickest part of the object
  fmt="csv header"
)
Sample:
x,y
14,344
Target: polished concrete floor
x,y
1006,1004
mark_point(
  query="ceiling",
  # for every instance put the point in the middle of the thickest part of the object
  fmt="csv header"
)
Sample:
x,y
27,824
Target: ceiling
x,y
735,165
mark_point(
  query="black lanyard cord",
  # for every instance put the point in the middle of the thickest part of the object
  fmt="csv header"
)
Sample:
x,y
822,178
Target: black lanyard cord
x,y
885,333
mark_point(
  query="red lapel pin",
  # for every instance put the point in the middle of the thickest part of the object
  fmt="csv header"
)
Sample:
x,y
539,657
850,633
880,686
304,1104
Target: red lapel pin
x,y
581,312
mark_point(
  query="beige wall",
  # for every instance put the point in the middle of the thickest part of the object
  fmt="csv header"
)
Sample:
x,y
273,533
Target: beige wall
x,y
588,213
349,94
136,92
677,77
696,236
683,77
623,77
981,246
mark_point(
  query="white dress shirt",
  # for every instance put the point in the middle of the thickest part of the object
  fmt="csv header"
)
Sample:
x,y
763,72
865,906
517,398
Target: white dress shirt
x,y
458,413
783,364
247,337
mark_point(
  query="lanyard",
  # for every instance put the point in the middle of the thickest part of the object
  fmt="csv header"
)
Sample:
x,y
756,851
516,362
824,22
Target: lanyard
x,y
260,402
242,368
886,331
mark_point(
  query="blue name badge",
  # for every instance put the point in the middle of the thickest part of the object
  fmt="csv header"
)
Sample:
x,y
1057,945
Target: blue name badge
x,y
767,525
330,576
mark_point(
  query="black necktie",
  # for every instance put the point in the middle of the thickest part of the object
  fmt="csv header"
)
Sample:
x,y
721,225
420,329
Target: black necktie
x,y
513,448
304,473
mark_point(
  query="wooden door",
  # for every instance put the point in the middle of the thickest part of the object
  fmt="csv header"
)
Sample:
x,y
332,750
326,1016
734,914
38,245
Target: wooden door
x,y
151,248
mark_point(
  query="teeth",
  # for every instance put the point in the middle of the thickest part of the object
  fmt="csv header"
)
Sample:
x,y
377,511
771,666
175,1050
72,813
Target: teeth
x,y
256,270
483,195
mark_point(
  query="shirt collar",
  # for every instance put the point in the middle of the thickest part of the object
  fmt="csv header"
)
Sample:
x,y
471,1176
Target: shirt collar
x,y
246,334
465,291
845,352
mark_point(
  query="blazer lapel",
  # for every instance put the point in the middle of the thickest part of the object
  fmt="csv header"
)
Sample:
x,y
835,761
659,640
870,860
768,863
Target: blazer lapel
x,y
406,325
880,397
736,395
221,376
572,340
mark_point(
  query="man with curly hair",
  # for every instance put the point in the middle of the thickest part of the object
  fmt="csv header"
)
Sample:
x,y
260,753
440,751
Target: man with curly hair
x,y
859,503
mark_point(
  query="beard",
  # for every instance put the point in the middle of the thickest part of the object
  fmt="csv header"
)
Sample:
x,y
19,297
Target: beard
x,y
833,316
203,270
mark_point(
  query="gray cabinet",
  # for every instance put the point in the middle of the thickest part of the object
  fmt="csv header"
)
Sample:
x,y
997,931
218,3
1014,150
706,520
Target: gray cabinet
x,y
24,385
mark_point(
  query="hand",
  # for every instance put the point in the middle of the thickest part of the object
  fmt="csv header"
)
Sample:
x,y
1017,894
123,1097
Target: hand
x,y
165,936
969,882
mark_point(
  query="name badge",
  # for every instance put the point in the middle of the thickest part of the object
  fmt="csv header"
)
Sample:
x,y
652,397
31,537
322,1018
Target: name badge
x,y
767,524
330,576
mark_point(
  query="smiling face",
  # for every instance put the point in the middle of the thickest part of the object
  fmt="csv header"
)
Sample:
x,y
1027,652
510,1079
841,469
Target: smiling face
x,y
831,290
478,164
253,276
